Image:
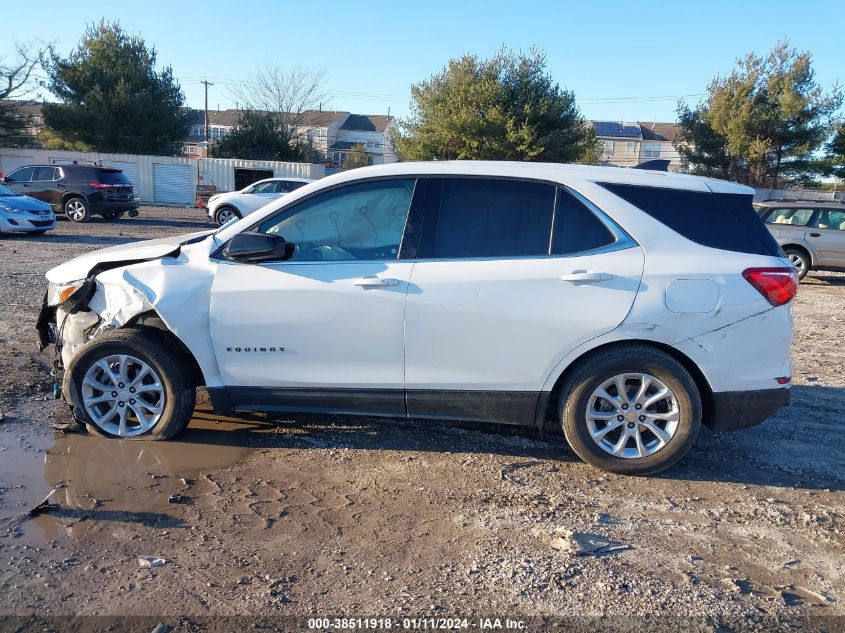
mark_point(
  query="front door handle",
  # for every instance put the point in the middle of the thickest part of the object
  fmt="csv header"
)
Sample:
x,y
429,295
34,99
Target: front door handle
x,y
586,276
815,234
375,282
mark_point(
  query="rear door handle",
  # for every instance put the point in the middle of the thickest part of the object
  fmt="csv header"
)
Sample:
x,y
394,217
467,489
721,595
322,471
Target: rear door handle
x,y
815,234
375,282
588,277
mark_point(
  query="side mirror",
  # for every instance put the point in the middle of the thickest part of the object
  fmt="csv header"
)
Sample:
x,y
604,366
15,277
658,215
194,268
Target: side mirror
x,y
258,247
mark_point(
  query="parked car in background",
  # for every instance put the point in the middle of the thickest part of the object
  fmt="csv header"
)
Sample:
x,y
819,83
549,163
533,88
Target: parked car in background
x,y
223,207
79,191
810,232
22,214
626,307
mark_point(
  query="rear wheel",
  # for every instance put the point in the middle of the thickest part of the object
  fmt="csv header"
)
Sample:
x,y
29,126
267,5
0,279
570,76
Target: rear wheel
x,y
225,214
800,260
77,209
130,383
633,410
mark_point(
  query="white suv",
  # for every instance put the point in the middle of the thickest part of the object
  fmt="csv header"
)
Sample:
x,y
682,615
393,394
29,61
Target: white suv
x,y
223,207
628,307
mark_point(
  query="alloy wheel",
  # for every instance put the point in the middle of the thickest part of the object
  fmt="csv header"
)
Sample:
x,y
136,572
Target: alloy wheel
x,y
225,214
798,262
123,395
632,415
75,209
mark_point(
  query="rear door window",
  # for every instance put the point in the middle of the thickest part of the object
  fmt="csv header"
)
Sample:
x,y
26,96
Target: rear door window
x,y
577,229
44,174
723,221
486,217
830,219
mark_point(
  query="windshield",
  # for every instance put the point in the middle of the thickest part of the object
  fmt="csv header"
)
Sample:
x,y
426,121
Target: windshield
x,y
5,191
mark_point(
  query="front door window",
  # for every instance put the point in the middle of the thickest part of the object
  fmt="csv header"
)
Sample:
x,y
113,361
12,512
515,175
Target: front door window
x,y
359,222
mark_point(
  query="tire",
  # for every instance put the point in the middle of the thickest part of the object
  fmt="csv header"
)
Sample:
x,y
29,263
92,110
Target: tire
x,y
644,364
167,392
225,213
77,209
800,260
112,215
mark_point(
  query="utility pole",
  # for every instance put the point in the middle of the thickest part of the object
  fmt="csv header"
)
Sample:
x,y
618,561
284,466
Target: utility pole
x,y
207,84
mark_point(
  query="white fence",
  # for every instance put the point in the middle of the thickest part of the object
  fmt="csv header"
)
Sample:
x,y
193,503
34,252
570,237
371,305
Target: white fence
x,y
797,194
162,179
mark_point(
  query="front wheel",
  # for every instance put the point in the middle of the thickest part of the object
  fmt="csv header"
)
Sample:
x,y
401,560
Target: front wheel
x,y
130,383
800,260
226,214
632,410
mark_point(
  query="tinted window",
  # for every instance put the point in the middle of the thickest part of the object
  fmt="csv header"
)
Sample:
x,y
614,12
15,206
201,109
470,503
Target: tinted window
x,y
286,186
724,221
363,221
493,218
44,173
113,177
796,217
24,174
577,229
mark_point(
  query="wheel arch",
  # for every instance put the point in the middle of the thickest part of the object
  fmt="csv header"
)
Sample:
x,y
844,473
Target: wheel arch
x,y
800,247
151,320
67,195
548,406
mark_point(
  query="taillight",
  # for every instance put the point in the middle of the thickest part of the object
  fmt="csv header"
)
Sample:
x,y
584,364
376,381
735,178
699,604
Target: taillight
x,y
777,285
99,185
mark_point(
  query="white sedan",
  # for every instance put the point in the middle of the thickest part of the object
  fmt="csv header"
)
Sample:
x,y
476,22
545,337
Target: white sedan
x,y
236,204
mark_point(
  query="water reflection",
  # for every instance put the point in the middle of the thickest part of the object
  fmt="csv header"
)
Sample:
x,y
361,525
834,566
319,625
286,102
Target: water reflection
x,y
99,480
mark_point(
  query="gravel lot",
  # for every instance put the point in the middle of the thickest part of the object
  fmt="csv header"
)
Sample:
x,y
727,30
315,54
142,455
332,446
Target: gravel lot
x,y
337,516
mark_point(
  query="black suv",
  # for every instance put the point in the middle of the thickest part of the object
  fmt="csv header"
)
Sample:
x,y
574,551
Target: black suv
x,y
80,191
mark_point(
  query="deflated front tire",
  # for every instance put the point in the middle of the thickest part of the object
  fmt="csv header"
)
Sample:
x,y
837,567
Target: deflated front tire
x,y
130,383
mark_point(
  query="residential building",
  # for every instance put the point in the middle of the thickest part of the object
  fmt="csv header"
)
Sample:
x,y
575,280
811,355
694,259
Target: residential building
x,y
627,144
332,133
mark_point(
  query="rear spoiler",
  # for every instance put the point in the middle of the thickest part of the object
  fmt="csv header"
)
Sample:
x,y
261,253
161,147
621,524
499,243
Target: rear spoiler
x,y
658,164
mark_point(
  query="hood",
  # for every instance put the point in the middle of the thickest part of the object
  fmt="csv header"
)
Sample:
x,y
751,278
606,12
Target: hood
x,y
80,267
26,203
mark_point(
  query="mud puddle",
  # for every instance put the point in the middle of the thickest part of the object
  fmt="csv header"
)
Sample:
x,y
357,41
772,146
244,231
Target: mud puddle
x,y
88,480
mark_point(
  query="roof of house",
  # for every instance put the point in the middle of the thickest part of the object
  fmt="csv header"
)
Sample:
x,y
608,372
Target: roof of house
x,y
615,129
319,118
659,131
366,122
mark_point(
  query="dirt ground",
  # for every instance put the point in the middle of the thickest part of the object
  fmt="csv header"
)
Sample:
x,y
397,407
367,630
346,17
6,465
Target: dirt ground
x,y
350,517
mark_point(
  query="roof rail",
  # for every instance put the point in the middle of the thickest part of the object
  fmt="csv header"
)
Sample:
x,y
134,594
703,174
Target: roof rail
x,y
811,200
75,161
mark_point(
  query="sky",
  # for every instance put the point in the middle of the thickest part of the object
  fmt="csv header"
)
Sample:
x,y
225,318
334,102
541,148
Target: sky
x,y
624,60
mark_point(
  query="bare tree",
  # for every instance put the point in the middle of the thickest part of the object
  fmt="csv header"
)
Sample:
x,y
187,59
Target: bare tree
x,y
284,92
17,81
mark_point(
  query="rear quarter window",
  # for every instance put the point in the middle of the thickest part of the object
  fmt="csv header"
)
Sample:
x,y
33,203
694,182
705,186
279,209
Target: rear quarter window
x,y
718,220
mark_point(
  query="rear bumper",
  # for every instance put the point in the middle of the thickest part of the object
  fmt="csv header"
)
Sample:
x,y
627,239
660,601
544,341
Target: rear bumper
x,y
114,205
733,410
